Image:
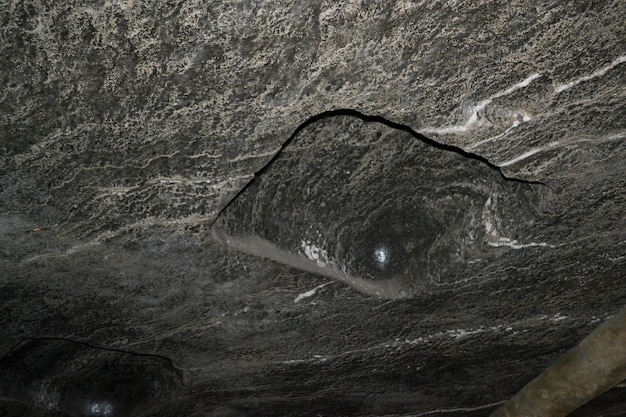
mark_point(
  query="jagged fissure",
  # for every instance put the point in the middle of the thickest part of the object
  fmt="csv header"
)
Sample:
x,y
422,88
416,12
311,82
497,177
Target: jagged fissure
x,y
377,119
89,345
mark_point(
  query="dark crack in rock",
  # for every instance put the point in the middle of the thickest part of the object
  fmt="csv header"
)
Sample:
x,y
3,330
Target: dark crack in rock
x,y
126,128
382,209
80,380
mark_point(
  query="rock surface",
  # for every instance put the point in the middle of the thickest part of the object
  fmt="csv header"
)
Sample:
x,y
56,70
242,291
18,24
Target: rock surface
x,y
386,211
126,129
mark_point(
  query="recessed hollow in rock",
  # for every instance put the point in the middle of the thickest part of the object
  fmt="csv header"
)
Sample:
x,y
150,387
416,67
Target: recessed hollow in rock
x,y
376,207
79,380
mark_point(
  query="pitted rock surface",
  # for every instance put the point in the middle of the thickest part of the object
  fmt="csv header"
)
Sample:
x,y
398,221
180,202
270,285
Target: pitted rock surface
x,y
383,210
126,128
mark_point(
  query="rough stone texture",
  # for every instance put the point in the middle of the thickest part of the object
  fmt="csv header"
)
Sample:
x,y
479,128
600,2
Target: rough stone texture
x,y
381,209
126,128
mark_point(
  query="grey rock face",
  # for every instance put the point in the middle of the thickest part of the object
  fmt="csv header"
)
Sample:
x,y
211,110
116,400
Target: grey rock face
x,y
381,209
126,128
119,117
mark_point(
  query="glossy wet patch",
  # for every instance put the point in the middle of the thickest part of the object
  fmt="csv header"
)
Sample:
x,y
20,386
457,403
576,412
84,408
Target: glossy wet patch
x,y
380,208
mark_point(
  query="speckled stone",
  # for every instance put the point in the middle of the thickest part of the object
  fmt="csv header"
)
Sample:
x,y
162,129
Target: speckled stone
x,y
126,129
383,209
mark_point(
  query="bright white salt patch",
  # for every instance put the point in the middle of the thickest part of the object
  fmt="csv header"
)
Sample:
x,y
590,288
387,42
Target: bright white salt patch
x,y
519,158
491,230
495,239
517,122
598,73
309,293
317,255
304,295
460,333
514,244
558,144
473,119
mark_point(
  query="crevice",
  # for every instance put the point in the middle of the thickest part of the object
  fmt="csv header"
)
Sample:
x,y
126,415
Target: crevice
x,y
89,345
386,122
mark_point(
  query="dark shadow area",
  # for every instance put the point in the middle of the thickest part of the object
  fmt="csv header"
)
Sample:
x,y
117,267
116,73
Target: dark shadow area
x,y
78,379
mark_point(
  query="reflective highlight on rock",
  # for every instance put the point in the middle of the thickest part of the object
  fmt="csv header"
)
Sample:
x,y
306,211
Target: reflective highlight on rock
x,y
381,256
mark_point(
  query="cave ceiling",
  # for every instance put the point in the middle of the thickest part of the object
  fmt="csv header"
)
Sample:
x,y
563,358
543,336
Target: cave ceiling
x,y
237,208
